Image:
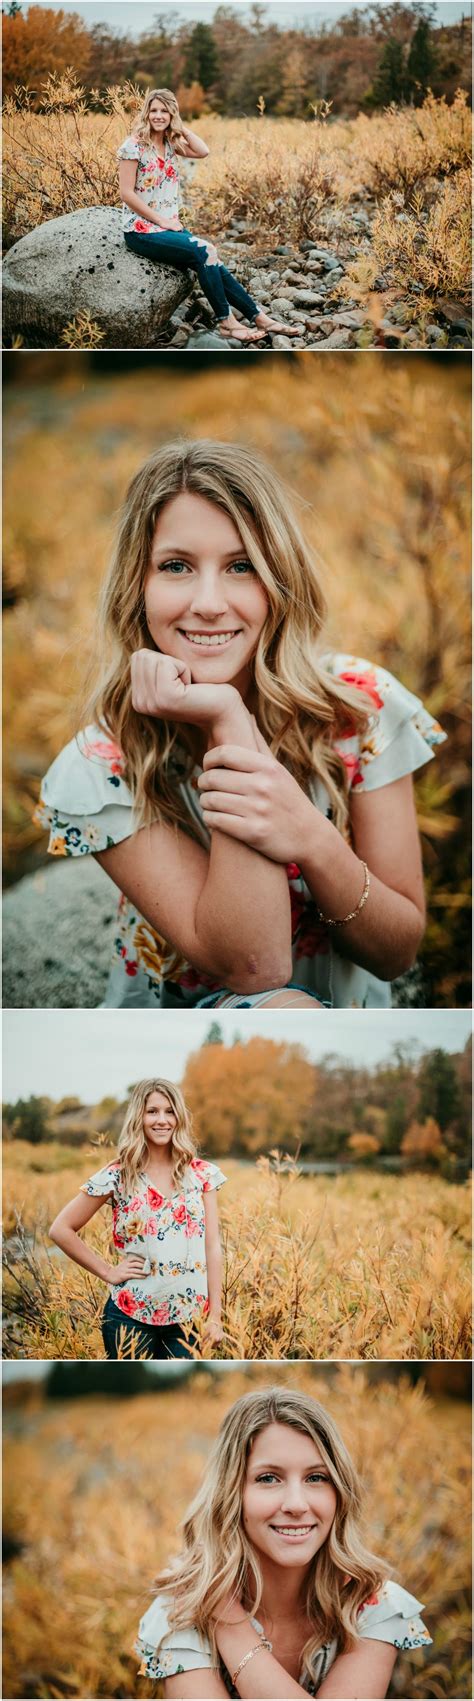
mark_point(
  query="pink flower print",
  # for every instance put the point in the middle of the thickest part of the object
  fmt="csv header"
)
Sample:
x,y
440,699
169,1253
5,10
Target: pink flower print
x,y
179,1213
127,1302
118,1241
192,1228
161,1315
151,1225
109,751
143,226
352,763
372,1600
293,872
131,968
200,1166
134,1204
364,682
170,170
154,1198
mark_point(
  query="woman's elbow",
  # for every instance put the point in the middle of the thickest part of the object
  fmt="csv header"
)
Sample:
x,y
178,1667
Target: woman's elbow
x,y
54,1233
405,949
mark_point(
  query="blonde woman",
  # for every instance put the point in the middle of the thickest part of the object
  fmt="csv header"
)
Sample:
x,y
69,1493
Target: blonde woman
x,y
275,1593
165,1231
149,186
249,791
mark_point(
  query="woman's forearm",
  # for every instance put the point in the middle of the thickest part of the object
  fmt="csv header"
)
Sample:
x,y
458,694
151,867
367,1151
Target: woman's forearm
x,y
200,148
75,1248
214,1276
262,1678
243,910
385,936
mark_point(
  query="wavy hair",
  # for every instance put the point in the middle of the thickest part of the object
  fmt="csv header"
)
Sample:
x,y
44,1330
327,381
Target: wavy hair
x,y
142,127
297,704
218,1560
132,1147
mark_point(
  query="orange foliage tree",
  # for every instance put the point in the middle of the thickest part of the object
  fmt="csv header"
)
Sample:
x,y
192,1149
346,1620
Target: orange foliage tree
x,y
249,1097
363,1145
423,1142
39,42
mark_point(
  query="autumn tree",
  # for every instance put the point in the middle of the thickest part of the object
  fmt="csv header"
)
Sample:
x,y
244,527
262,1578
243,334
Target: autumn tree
x,y
363,1146
423,1142
39,42
250,1096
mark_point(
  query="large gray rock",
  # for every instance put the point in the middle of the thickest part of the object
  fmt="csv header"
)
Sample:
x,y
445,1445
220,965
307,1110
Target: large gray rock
x,y
81,263
58,933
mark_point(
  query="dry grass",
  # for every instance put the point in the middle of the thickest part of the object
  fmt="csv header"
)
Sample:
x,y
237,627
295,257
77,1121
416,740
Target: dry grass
x,y
393,437
95,1489
359,1266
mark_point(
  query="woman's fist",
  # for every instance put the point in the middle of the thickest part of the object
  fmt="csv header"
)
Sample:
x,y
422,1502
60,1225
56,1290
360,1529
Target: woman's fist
x,y
159,683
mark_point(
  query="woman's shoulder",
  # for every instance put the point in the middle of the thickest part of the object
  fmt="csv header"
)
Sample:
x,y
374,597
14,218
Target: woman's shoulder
x,y
103,1181
164,1651
208,1175
85,800
400,735
131,148
392,1614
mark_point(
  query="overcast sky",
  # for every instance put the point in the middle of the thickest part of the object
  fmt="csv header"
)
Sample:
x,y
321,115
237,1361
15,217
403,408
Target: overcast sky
x,y
90,1053
134,16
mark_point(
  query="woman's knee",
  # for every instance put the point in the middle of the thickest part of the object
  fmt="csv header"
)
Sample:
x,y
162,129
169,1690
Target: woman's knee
x,y
208,253
292,1000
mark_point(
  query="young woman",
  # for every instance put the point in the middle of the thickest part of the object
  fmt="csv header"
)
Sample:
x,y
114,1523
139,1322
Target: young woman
x,y
249,793
275,1594
165,1231
149,186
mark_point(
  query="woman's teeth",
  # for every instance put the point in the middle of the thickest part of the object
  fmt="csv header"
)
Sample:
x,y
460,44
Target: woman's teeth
x,y
291,1530
209,640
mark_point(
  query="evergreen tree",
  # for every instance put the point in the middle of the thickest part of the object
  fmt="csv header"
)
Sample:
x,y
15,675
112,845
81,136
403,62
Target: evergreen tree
x,y
201,63
28,1120
390,81
421,61
438,1094
214,1035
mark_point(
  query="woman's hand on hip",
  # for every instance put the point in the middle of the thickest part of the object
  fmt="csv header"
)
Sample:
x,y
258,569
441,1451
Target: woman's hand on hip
x,y
126,1268
251,796
163,686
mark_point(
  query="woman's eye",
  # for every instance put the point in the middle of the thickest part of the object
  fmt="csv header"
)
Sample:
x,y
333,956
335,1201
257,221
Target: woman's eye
x,y
267,1476
317,1476
175,565
243,566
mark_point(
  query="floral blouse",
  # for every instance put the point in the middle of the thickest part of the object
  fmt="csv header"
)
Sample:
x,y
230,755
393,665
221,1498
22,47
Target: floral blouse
x,y
391,1615
157,180
170,1233
87,805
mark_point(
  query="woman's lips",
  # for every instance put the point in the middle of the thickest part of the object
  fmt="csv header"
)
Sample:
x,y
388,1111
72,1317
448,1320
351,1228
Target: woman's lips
x,y
293,1533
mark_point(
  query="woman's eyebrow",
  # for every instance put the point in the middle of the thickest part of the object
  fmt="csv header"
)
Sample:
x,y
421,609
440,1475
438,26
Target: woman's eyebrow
x,y
318,1465
182,549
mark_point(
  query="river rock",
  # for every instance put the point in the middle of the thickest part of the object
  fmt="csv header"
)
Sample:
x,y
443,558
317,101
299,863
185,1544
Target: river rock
x,y
58,932
80,263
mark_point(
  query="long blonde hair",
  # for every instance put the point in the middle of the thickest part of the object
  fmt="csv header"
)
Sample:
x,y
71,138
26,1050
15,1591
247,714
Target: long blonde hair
x,y
298,706
218,1560
142,127
132,1147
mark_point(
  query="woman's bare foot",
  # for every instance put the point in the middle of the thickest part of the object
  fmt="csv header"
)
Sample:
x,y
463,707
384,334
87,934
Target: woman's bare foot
x,y
243,333
268,324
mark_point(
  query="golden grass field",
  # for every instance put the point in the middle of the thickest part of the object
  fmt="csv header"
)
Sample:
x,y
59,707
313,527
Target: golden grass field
x,y
359,1266
95,1490
389,434
286,176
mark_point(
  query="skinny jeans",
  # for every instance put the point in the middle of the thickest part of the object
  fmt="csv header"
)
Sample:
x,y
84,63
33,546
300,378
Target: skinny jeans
x,y
186,252
150,1341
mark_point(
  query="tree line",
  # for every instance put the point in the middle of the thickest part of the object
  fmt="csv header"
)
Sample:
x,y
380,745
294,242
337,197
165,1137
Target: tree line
x,y
238,65
252,1096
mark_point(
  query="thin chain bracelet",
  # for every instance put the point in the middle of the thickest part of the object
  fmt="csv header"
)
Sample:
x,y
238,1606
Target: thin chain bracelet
x,y
342,921
263,1643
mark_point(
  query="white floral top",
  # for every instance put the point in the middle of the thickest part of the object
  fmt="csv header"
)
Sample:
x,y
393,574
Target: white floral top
x,y
157,180
391,1615
170,1233
87,805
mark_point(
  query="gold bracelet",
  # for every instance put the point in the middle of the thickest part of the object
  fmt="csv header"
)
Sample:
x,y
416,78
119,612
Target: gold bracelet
x,y
342,921
256,1650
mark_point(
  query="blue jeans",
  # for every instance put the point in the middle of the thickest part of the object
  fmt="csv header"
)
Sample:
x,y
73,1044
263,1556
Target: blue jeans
x,y
190,253
150,1341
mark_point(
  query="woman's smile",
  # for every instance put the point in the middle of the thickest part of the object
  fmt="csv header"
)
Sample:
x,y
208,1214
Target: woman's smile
x,y
204,601
289,1499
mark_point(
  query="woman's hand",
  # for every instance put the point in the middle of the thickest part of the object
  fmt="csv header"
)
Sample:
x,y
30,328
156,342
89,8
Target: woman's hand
x,y
162,685
126,1268
213,1331
252,797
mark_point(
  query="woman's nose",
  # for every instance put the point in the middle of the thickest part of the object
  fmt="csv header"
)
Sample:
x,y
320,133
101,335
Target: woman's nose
x,y
294,1498
209,597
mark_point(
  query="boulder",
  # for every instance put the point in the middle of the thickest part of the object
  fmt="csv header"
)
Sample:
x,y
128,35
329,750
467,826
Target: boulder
x,y
80,263
58,932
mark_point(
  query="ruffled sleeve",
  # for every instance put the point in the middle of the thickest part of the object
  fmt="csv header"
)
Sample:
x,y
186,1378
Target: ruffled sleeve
x,y
84,799
208,1175
164,1652
130,149
103,1182
401,734
392,1615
